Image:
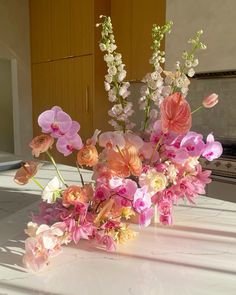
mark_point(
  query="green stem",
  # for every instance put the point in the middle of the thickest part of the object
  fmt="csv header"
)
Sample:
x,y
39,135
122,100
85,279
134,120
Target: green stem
x,y
36,182
199,108
57,170
80,174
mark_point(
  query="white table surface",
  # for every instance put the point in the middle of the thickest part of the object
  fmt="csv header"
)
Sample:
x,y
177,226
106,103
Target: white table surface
x,y
195,256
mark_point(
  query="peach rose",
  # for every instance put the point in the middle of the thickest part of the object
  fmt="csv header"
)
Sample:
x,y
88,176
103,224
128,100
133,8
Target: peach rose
x,y
28,170
74,195
87,156
41,144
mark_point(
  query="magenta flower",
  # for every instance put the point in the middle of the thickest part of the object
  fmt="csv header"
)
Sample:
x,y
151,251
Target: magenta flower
x,y
142,200
193,144
55,121
145,217
213,149
102,193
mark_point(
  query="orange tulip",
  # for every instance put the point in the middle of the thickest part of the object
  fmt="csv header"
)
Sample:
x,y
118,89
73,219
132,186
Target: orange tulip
x,y
175,114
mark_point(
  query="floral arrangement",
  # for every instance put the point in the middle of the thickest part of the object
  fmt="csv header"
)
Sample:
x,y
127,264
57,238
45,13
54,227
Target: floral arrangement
x,y
142,171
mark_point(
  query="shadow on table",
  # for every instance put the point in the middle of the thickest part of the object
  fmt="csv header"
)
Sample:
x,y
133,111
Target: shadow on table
x,y
6,287
11,255
91,247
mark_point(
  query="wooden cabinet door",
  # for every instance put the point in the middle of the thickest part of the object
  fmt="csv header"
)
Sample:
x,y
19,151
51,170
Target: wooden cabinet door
x,y
82,87
40,27
60,24
81,27
132,22
41,92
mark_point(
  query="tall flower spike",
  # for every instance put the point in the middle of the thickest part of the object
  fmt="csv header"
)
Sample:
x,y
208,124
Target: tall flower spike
x,y
114,80
154,91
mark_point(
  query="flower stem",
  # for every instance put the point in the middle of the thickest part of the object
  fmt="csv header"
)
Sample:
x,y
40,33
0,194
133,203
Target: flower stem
x,y
80,174
155,149
199,108
37,183
57,170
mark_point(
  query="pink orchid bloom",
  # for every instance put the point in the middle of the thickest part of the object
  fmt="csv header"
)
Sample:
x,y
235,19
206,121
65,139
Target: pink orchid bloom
x,y
68,143
146,216
213,149
193,144
112,140
142,200
36,256
55,121
134,140
108,242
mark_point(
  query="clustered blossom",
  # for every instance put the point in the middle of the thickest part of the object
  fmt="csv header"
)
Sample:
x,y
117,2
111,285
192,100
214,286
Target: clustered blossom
x,y
117,89
133,175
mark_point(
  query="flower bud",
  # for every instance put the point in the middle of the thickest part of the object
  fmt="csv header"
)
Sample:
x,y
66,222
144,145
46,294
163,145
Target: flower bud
x,y
210,101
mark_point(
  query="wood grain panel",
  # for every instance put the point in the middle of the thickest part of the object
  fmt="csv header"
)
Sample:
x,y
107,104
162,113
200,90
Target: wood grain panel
x,y
60,23
81,27
41,91
121,14
40,30
144,15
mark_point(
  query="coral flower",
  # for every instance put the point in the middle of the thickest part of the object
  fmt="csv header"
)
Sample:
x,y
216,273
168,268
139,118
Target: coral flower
x,y
175,114
74,195
27,171
210,101
41,144
88,156
125,162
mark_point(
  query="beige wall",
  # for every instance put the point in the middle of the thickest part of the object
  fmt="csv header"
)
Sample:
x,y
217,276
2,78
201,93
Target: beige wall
x,y
6,117
217,18
14,45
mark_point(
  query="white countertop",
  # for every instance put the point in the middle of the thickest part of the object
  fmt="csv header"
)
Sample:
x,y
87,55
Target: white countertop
x,y
195,256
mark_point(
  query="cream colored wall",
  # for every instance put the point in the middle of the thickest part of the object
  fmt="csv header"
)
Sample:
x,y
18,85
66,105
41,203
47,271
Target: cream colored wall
x,y
14,45
217,18
6,117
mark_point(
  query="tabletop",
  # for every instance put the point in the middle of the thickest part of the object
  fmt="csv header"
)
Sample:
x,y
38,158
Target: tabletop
x,y
195,256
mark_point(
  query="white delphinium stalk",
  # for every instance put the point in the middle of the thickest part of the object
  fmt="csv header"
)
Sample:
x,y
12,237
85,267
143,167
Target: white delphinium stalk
x,y
154,89
117,89
180,81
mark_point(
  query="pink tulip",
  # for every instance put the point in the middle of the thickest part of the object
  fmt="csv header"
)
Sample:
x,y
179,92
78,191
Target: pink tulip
x,y
210,101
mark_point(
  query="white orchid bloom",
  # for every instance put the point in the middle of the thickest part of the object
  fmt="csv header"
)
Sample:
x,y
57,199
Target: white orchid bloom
x,y
52,190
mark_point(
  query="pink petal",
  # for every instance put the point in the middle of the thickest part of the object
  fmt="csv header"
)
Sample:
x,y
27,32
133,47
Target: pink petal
x,y
45,120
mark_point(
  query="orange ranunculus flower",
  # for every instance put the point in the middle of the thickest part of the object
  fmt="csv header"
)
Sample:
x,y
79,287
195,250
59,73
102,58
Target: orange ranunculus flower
x,y
125,161
74,195
87,156
28,170
175,114
41,144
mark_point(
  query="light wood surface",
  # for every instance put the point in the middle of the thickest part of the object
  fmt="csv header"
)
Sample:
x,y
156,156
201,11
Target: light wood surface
x,y
132,21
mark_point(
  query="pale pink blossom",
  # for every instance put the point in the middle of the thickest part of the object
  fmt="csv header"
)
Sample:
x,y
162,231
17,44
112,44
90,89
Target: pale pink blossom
x,y
213,149
210,101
